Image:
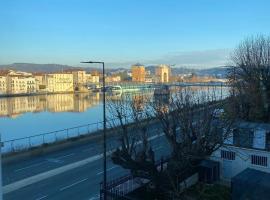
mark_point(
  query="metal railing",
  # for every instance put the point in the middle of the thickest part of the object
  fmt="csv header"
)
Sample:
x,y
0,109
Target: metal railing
x,y
119,188
43,139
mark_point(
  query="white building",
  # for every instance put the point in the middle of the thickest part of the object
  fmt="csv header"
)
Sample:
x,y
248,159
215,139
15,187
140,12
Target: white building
x,y
3,85
247,147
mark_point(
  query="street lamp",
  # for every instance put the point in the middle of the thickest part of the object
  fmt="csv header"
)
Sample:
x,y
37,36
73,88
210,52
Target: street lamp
x,y
104,130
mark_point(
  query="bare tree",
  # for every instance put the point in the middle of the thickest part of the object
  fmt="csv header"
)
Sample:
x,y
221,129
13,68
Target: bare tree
x,y
250,79
192,123
131,116
195,126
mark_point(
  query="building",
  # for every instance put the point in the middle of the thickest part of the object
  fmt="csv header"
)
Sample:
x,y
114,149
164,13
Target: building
x,y
59,82
79,77
247,146
92,79
149,79
162,73
3,85
138,73
19,84
113,78
12,82
40,81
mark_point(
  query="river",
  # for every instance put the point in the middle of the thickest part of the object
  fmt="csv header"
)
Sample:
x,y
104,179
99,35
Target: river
x,y
31,115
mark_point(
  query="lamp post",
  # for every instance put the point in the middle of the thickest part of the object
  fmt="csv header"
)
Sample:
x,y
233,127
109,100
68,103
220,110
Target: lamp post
x,y
104,130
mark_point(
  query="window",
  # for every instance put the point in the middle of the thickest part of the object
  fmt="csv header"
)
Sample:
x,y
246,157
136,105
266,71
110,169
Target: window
x,y
259,160
228,155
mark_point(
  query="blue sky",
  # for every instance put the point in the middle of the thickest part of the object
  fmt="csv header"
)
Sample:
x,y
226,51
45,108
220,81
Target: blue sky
x,y
199,33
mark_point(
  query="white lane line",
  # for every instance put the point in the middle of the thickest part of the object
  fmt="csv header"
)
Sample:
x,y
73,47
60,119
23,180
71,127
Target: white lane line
x,y
40,163
101,172
45,175
43,197
94,197
64,156
73,184
29,166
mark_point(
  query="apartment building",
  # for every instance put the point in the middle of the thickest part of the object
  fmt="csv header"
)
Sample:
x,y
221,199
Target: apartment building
x,y
92,78
113,78
3,85
79,77
40,81
59,82
138,73
19,84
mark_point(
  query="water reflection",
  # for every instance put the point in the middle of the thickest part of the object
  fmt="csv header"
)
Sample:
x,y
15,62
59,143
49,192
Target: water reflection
x,y
26,116
16,106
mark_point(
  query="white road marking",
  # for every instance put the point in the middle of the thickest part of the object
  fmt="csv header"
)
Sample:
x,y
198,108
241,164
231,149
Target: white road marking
x,y
29,166
43,197
94,197
45,175
55,160
73,184
107,170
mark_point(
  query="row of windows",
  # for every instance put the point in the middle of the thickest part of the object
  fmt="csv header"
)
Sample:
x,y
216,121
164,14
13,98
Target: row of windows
x,y
259,160
255,159
228,155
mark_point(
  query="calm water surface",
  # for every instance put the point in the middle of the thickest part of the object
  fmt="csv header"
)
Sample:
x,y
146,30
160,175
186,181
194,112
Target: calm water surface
x,y
27,116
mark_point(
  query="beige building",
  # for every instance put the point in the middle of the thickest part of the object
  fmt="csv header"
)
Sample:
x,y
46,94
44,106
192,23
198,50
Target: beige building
x,y
59,82
40,81
19,84
79,77
138,73
92,78
3,85
163,73
113,78
12,82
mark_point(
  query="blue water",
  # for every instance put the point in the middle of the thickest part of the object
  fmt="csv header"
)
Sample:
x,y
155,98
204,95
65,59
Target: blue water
x,y
28,116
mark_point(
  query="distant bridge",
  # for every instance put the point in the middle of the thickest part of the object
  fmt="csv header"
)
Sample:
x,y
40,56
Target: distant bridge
x,y
131,86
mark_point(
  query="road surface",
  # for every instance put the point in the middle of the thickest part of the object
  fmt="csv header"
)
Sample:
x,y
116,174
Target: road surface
x,y
72,173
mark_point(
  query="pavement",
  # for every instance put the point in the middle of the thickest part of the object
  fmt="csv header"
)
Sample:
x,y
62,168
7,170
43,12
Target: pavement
x,y
71,173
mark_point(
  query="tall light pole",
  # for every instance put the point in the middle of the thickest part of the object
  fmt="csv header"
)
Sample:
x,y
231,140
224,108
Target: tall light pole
x,y
104,130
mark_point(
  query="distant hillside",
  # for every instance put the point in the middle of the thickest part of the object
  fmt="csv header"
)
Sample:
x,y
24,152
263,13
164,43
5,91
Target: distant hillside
x,y
220,72
31,67
174,70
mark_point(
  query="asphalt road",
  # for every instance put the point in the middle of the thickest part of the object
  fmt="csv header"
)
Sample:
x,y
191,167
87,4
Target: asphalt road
x,y
72,173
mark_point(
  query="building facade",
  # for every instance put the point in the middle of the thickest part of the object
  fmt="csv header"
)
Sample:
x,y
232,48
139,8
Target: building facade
x,y
248,146
19,84
138,73
92,78
163,73
59,82
3,85
113,78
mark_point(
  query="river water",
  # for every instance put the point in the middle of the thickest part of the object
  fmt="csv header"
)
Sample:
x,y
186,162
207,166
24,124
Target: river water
x,y
31,115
